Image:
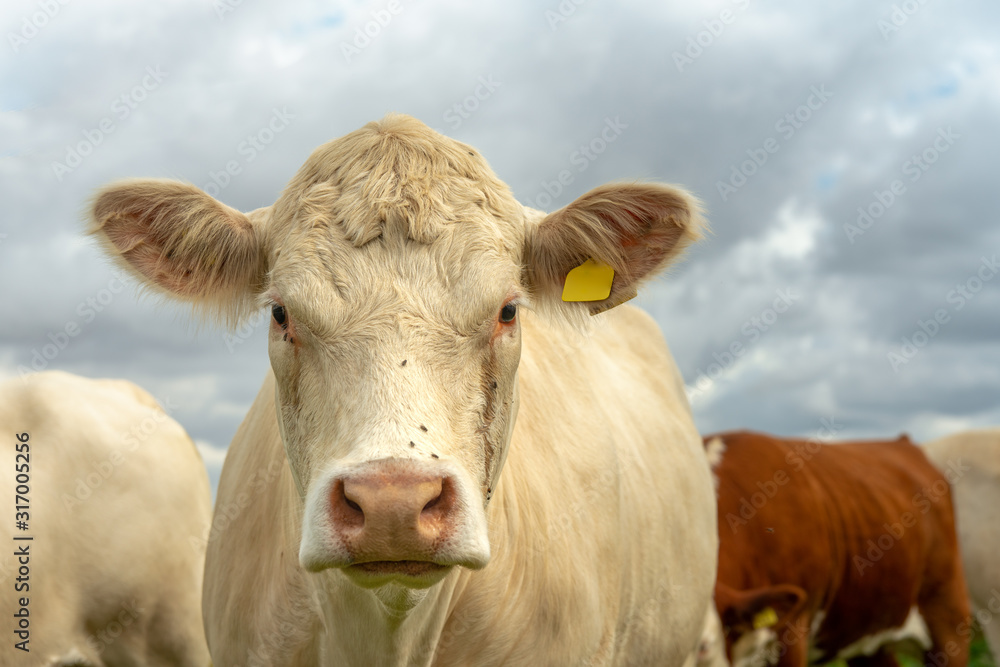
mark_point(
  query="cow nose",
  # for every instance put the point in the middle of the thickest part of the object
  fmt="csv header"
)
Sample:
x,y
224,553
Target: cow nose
x,y
391,514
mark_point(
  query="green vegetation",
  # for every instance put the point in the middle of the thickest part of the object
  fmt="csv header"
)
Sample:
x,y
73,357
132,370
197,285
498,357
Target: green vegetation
x,y
979,656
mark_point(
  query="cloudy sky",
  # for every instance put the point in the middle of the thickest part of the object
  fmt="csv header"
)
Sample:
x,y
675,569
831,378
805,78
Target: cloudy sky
x,y
845,152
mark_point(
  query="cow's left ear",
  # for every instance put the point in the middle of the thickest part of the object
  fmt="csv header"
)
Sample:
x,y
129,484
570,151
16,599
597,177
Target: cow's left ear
x,y
635,229
181,242
759,607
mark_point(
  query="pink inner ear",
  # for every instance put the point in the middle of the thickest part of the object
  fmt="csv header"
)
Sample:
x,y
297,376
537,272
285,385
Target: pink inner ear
x,y
646,245
627,238
123,236
177,238
162,271
143,250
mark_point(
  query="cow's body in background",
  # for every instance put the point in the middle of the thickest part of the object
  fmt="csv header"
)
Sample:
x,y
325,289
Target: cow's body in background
x,y
851,547
119,510
362,518
971,462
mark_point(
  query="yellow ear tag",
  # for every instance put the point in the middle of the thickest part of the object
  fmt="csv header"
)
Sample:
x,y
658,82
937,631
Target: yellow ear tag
x,y
591,281
765,618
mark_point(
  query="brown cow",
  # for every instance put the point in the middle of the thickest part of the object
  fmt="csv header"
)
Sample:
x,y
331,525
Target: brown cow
x,y
835,551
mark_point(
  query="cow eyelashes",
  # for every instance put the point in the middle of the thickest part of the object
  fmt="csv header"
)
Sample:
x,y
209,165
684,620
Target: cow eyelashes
x,y
278,313
508,312
281,319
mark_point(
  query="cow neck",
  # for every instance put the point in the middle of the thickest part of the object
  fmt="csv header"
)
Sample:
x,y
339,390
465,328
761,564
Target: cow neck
x,y
388,626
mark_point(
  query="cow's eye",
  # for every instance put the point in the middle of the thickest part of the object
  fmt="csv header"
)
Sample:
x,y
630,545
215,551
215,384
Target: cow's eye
x,y
278,313
507,313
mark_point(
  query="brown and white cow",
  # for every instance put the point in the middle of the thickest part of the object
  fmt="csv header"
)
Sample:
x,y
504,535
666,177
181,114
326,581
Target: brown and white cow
x,y
419,346
116,505
971,462
835,551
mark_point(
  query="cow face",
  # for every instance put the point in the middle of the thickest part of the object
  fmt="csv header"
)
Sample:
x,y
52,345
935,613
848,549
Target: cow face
x,y
752,620
398,272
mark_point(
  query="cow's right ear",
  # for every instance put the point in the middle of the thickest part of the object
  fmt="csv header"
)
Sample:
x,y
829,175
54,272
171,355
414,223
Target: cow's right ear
x,y
613,238
759,607
180,241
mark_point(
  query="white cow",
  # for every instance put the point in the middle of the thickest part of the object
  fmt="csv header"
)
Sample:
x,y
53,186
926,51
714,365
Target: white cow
x,y
711,651
116,503
971,462
419,345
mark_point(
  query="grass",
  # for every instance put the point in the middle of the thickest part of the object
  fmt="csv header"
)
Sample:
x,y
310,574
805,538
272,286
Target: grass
x,y
979,656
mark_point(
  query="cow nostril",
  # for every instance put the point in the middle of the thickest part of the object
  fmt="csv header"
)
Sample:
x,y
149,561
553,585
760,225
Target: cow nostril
x,y
437,507
346,510
433,502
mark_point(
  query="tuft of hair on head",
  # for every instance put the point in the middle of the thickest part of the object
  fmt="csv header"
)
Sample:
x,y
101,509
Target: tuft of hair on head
x,y
179,242
395,173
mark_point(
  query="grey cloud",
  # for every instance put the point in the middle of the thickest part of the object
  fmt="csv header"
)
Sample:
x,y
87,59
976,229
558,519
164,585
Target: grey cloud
x,y
783,228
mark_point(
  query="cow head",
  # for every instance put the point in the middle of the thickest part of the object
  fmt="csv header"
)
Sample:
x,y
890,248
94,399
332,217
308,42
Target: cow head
x,y
752,621
397,270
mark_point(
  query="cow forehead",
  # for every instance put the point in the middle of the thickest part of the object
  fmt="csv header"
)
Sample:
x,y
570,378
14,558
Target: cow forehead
x,y
396,204
398,176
